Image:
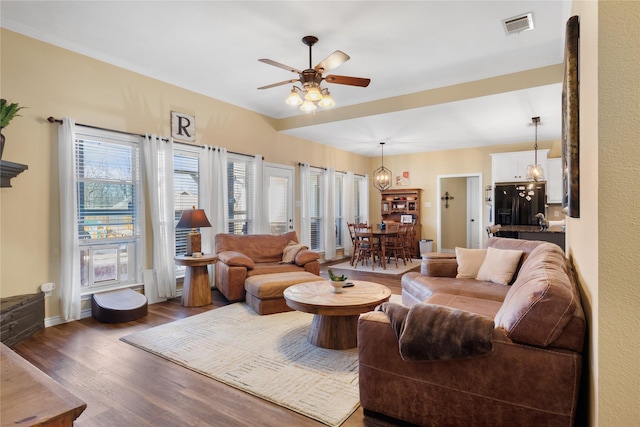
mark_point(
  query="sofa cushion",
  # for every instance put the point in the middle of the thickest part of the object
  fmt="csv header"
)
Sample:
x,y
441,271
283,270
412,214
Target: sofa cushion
x,y
469,262
235,259
481,306
541,302
499,265
422,287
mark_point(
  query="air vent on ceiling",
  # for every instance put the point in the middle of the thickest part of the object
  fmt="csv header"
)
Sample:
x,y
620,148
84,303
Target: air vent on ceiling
x,y
518,24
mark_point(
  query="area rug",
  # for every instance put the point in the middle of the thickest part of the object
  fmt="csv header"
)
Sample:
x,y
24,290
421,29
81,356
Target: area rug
x,y
267,356
391,267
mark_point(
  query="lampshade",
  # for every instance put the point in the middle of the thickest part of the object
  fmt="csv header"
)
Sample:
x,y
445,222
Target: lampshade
x,y
308,106
382,175
193,218
535,171
313,94
326,101
294,98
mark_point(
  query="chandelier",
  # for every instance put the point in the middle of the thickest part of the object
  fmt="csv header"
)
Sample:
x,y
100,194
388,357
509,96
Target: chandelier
x,y
382,175
535,171
314,95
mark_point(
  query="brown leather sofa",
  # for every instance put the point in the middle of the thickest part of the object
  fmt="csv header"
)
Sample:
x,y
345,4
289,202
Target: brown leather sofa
x,y
242,256
531,373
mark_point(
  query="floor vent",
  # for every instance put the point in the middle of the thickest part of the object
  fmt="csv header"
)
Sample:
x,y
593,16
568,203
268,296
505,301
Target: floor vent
x,y
517,24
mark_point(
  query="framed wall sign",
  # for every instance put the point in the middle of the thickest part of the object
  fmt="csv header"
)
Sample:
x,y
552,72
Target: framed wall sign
x,y
183,126
406,219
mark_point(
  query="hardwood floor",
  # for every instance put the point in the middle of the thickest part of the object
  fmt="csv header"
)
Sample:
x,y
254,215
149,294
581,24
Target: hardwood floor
x,y
125,386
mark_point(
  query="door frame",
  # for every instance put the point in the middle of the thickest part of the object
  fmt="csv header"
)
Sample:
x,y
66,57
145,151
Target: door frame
x,y
479,201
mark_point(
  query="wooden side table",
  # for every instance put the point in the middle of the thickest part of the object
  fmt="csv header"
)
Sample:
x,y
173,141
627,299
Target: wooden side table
x,y
196,291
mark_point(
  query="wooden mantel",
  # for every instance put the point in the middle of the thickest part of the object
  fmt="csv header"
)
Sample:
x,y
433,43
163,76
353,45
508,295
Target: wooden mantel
x,y
9,170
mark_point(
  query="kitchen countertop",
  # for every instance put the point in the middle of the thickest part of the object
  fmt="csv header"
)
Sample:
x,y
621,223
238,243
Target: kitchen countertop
x,y
531,229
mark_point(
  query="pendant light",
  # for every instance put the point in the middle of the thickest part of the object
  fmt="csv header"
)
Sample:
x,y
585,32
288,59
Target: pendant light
x,y
382,175
535,171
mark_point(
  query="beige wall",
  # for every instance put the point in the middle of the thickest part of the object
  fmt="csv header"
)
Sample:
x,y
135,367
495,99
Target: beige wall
x,y
603,242
453,234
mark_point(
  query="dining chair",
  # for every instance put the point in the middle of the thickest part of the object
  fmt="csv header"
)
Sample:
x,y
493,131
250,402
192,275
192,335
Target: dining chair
x,y
409,242
394,244
367,246
352,233
493,229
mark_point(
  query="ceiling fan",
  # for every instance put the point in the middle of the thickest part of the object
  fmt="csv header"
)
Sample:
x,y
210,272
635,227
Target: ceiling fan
x,y
311,78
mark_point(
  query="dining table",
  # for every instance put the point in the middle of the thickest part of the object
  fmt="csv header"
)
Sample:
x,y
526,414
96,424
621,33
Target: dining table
x,y
381,234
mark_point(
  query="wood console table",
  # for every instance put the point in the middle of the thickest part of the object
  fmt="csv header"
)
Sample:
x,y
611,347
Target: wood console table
x,y
196,290
29,397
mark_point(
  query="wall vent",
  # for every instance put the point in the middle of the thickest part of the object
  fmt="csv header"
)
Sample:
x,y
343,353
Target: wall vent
x,y
518,24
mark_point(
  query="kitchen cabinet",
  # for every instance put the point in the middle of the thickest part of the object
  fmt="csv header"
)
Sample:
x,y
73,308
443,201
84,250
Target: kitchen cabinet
x,y
512,167
554,180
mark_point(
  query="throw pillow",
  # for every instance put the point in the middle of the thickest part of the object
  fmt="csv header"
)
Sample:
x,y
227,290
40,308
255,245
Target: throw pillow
x,y
499,265
290,251
469,262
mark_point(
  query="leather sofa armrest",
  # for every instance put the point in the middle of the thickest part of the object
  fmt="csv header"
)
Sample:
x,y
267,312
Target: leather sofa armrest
x,y
236,259
305,256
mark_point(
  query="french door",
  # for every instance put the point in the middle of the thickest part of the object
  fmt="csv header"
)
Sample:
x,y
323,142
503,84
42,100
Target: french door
x,y
279,203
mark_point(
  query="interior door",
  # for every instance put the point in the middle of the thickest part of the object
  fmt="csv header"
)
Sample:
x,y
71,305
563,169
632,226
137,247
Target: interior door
x,y
278,187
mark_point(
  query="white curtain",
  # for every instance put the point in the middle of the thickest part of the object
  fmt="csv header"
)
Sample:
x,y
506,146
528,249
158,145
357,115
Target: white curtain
x,y
214,194
157,155
70,246
305,214
329,178
364,198
259,213
348,211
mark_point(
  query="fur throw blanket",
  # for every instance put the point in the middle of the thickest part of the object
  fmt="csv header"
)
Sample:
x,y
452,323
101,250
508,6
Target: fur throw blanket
x,y
435,332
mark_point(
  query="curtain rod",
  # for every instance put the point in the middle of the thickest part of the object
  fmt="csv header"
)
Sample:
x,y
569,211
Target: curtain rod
x,y
318,167
52,119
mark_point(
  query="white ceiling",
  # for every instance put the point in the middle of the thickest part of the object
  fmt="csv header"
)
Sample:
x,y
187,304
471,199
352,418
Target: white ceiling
x,y
213,47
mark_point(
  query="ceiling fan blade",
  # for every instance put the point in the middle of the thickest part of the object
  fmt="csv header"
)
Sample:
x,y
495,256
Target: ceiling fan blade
x,y
332,61
346,80
279,84
279,65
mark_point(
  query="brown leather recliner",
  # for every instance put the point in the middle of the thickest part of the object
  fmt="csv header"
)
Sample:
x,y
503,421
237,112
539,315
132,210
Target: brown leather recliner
x,y
242,256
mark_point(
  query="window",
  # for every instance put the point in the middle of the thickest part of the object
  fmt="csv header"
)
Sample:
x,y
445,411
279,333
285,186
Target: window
x,y
186,179
339,210
315,209
240,183
109,208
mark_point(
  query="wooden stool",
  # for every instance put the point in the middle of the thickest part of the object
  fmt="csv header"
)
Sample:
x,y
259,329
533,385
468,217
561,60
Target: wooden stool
x,y
123,305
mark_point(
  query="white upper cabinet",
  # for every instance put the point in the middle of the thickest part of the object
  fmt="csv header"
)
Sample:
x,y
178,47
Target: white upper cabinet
x,y
554,180
512,167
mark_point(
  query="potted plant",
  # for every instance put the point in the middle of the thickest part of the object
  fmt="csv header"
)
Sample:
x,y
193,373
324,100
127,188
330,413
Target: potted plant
x,y
337,281
7,113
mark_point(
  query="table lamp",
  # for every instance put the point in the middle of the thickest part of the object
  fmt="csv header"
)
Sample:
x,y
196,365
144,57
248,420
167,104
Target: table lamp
x,y
193,219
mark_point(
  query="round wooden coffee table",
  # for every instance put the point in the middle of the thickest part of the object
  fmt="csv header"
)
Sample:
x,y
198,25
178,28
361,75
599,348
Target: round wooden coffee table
x,y
335,320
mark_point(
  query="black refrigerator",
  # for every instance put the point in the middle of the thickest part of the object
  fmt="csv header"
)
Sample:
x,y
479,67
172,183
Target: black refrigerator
x,y
518,203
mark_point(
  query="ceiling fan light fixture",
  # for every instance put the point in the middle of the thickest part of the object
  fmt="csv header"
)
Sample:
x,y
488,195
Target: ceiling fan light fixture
x,y
294,98
308,106
313,94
